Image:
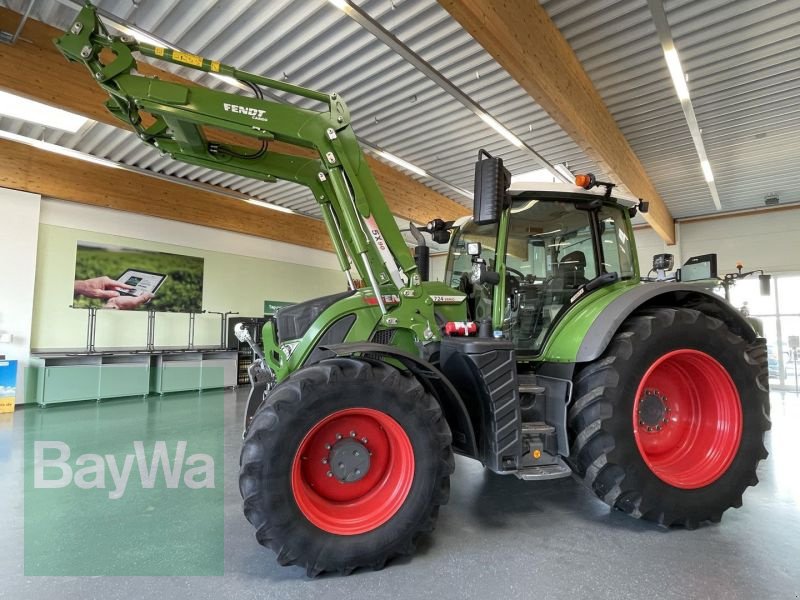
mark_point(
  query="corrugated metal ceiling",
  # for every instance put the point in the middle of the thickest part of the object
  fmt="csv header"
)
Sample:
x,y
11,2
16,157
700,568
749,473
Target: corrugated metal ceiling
x,y
741,59
743,71
312,43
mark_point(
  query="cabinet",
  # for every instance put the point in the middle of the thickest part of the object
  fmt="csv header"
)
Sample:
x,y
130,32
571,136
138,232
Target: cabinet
x,y
185,371
218,371
58,378
125,376
70,383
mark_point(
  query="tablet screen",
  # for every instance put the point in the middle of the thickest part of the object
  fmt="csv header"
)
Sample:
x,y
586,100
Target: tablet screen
x,y
142,281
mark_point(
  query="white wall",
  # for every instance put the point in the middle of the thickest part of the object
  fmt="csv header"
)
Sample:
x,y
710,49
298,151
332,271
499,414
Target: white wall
x,y
768,240
19,227
240,272
141,227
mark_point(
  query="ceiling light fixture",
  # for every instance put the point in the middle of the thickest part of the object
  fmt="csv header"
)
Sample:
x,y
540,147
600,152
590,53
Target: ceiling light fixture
x,y
679,79
104,162
707,171
562,168
402,163
18,107
269,205
676,71
360,16
537,176
47,146
494,124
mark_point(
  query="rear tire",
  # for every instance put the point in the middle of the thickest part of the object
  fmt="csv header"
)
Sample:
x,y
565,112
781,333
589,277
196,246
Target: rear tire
x,y
668,425
309,513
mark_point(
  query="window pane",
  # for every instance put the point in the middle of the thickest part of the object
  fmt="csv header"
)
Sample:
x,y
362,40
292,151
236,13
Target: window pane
x,y
789,292
459,267
770,325
746,293
790,333
550,255
616,244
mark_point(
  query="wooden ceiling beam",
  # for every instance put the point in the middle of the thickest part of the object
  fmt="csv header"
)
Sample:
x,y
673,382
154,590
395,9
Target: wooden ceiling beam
x,y
34,68
523,39
30,169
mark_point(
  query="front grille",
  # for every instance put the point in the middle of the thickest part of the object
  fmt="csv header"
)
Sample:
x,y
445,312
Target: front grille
x,y
383,336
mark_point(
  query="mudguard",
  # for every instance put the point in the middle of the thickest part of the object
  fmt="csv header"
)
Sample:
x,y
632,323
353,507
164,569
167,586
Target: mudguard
x,y
455,412
671,294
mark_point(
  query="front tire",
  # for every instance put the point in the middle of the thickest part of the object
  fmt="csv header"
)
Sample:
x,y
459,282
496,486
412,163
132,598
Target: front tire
x,y
668,425
345,466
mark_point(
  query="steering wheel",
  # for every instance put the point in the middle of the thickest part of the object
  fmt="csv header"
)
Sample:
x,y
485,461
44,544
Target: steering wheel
x,y
518,274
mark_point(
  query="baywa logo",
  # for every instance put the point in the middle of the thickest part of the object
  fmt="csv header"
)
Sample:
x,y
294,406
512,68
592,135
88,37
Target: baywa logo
x,y
255,113
53,468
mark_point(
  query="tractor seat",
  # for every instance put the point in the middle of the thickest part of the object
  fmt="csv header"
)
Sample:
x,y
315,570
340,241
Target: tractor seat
x,y
571,270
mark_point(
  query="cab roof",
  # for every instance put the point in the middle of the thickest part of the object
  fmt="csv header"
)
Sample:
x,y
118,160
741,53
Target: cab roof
x,y
519,187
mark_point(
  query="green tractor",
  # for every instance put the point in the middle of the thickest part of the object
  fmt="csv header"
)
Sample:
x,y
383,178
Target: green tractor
x,y
543,355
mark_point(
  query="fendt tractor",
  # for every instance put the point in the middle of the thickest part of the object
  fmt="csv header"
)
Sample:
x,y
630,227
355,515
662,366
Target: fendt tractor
x,y
542,355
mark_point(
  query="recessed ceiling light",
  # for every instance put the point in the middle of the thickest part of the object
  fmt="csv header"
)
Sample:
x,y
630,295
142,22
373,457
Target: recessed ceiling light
x,y
47,146
706,166
18,107
537,176
494,124
403,163
676,71
271,206
561,168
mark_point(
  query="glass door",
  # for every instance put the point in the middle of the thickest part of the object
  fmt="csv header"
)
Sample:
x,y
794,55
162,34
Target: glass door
x,y
779,315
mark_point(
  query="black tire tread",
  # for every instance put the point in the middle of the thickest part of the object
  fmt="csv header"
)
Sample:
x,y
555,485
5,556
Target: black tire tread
x,y
589,456
266,420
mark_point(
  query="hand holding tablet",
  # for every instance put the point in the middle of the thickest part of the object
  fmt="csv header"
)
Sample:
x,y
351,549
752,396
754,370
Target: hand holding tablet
x,y
135,282
129,302
100,287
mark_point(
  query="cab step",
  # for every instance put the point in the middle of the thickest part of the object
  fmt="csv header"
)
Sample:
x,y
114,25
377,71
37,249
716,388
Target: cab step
x,y
528,385
537,428
542,472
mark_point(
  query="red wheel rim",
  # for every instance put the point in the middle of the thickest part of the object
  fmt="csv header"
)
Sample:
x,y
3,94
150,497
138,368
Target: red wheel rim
x,y
350,508
687,419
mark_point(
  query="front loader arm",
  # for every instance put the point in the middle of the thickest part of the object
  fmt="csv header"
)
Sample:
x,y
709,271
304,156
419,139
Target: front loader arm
x,y
172,117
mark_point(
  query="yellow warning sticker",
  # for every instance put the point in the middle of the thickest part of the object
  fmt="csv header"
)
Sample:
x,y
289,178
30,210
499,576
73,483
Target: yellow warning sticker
x,y
215,66
159,51
189,59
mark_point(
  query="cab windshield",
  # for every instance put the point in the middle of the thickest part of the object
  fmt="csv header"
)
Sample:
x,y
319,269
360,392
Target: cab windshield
x,y
554,248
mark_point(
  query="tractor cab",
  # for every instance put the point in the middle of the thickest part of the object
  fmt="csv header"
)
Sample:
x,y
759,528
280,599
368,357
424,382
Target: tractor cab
x,y
546,250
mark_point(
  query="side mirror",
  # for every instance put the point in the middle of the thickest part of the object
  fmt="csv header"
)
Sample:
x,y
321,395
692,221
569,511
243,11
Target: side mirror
x,y
764,281
441,237
492,181
439,230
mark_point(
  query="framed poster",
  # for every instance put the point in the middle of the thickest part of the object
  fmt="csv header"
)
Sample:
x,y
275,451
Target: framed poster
x,y
135,279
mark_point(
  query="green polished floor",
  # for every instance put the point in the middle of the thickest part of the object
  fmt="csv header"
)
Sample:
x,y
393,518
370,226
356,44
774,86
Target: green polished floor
x,y
498,537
